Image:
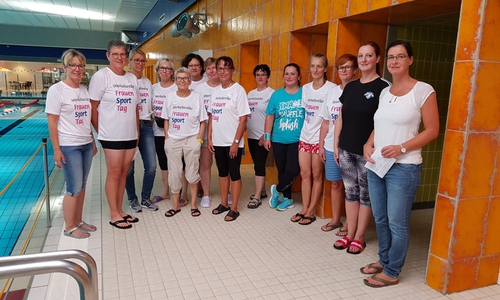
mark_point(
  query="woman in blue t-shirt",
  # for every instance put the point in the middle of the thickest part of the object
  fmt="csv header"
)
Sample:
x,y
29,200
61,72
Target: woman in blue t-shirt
x,y
284,119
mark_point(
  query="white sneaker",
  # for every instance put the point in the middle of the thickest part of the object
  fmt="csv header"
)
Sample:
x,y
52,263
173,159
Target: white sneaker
x,y
206,201
229,199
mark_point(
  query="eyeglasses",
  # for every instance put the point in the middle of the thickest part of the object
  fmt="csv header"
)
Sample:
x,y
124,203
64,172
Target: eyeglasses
x,y
345,68
194,65
121,55
225,69
182,79
139,61
397,57
74,67
165,69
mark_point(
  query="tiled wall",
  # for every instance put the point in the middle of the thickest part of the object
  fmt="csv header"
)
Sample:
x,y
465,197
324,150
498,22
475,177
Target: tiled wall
x,y
433,41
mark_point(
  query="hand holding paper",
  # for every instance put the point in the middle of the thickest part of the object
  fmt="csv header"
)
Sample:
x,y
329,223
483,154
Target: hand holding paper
x,y
381,165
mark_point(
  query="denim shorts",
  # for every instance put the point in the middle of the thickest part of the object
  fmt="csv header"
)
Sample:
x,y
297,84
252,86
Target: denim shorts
x,y
77,167
332,170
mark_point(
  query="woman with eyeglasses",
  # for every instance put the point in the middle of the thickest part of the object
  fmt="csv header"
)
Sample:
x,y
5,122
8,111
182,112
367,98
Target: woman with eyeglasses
x,y
354,125
165,72
227,123
195,64
346,67
137,60
258,100
185,120
206,90
314,95
284,119
68,112
403,106
114,98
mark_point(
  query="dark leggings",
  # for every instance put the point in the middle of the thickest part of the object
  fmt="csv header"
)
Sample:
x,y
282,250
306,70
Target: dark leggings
x,y
287,163
259,157
162,156
228,166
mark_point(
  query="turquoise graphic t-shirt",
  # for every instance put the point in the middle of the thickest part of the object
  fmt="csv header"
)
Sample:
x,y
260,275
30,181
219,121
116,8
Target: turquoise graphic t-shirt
x,y
288,116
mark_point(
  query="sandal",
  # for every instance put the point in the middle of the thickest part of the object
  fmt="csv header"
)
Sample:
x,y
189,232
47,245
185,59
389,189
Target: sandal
x,y
344,243
263,195
171,212
115,224
131,219
254,203
220,209
195,212
83,223
341,232
183,202
231,214
383,281
356,245
330,227
157,199
297,217
308,221
70,233
371,266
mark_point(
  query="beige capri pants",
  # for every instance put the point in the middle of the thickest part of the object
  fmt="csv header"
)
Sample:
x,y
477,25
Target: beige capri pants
x,y
188,147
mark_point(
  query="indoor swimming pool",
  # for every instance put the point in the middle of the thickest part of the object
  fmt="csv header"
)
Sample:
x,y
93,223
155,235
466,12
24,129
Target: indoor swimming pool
x,y
21,133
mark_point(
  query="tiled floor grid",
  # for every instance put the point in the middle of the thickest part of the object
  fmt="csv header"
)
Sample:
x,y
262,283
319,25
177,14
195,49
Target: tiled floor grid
x,y
262,255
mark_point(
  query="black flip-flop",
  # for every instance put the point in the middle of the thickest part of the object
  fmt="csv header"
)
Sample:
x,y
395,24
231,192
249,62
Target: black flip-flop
x,y
311,220
220,209
131,219
232,214
171,212
299,215
115,224
342,232
331,227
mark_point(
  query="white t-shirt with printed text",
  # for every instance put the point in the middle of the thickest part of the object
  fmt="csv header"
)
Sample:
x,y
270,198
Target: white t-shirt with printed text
x,y
194,84
145,93
313,102
226,108
159,100
205,92
184,115
118,97
72,105
330,112
257,101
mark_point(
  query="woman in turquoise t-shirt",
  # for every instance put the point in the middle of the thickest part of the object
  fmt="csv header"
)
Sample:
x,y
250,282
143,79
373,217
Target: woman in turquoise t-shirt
x,y
285,116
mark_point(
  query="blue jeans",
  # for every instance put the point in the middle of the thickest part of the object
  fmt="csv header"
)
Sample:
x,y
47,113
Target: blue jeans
x,y
392,199
77,167
148,154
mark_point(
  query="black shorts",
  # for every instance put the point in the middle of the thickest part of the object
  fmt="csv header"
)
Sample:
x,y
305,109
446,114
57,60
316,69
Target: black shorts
x,y
118,145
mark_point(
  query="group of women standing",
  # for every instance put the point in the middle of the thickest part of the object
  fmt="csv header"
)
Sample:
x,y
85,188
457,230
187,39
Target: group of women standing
x,y
311,128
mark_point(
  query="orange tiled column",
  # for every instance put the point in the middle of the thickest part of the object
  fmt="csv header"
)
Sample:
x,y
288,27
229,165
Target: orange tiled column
x,y
465,247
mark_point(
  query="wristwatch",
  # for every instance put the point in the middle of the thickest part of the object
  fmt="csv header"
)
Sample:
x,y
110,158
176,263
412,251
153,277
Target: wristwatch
x,y
403,149
236,141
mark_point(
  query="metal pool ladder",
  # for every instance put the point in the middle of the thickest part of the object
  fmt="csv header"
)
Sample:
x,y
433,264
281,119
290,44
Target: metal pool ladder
x,y
52,262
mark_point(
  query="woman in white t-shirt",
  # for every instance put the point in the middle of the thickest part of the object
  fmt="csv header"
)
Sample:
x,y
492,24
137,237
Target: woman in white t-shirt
x,y
185,120
227,123
196,66
401,109
165,71
68,112
114,98
314,95
206,158
346,66
257,101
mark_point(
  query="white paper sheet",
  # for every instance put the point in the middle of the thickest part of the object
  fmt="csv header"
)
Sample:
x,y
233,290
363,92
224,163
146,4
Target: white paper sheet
x,y
381,165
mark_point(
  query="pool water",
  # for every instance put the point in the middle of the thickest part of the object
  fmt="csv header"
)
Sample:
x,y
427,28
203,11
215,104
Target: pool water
x,y
21,133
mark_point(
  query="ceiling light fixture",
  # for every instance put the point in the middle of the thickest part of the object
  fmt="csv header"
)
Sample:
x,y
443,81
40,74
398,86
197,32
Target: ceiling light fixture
x,y
61,10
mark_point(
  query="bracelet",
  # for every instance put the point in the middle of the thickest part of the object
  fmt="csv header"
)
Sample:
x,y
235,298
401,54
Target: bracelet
x,y
200,141
267,136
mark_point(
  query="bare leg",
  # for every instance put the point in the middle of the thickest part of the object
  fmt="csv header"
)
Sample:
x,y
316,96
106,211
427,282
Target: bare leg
x,y
235,193
224,189
70,204
317,184
193,188
165,194
305,164
205,170
365,213
260,182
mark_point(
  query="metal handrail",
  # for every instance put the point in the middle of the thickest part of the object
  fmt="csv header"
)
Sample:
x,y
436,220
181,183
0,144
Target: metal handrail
x,y
51,266
55,255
